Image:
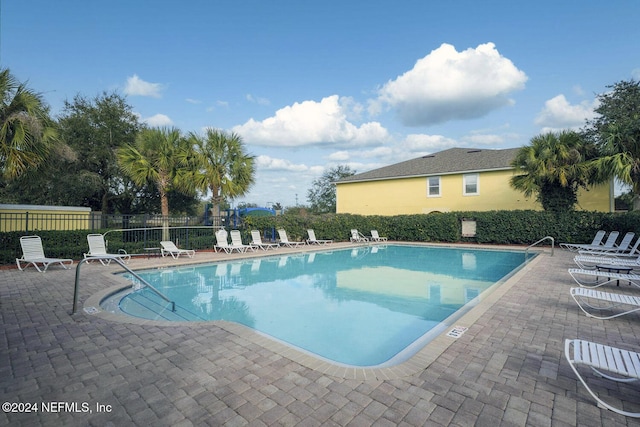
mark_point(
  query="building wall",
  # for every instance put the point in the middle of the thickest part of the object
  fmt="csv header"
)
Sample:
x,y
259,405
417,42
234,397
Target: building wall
x,y
35,217
409,196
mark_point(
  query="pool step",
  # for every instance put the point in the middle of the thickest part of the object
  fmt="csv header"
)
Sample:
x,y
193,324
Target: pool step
x,y
148,305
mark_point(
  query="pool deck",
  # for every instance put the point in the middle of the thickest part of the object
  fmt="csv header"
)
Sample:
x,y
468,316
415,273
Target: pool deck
x,y
507,369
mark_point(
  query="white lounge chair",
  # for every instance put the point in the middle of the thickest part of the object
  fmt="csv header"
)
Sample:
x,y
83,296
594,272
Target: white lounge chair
x,y
376,238
356,236
606,301
98,248
591,278
624,364
168,247
608,244
633,252
221,241
591,261
313,241
236,242
33,254
574,247
256,241
284,240
607,250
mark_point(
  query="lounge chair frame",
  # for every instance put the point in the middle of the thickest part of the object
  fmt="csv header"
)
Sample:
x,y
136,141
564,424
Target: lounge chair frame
x,y
610,250
574,247
313,241
284,240
98,247
357,237
606,301
168,247
375,237
256,241
609,243
624,364
33,254
580,275
236,242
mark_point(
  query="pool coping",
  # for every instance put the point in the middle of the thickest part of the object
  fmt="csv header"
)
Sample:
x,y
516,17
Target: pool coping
x,y
417,362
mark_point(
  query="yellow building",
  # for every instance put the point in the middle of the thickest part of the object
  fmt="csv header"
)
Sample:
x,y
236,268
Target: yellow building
x,y
458,179
35,217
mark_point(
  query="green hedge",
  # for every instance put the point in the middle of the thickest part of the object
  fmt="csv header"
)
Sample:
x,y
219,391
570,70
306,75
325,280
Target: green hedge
x,y
494,227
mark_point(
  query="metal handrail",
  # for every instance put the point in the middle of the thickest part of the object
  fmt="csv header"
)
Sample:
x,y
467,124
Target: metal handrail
x,y
526,251
118,260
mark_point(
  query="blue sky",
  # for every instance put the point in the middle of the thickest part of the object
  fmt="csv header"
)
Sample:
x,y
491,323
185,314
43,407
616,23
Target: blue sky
x,y
314,84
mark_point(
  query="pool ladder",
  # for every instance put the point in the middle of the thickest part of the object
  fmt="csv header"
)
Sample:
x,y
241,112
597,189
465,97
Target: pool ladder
x,y
526,251
123,265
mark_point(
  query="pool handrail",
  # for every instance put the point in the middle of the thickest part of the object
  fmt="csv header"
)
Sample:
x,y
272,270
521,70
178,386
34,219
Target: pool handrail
x,y
123,265
526,251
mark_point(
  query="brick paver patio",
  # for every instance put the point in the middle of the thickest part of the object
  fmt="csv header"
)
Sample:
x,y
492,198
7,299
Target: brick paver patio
x,y
507,369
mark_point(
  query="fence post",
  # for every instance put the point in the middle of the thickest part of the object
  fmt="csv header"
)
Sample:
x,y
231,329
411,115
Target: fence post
x,y
26,221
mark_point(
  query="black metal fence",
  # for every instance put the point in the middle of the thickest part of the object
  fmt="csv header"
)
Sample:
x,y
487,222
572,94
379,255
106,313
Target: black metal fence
x,y
35,221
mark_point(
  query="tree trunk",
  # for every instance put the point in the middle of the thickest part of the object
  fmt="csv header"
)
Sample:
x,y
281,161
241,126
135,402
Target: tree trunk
x,y
164,209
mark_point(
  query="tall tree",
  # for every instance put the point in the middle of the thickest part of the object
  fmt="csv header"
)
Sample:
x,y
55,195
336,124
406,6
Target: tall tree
x,y
159,156
322,194
554,166
94,129
224,167
26,131
616,132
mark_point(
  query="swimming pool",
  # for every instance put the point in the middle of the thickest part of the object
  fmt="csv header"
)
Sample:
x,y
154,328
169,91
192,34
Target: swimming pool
x,y
366,306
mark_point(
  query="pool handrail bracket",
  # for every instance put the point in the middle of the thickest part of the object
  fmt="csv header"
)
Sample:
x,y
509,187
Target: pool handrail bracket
x,y
118,260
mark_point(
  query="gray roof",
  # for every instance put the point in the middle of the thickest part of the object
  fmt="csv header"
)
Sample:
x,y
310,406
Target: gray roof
x,y
453,160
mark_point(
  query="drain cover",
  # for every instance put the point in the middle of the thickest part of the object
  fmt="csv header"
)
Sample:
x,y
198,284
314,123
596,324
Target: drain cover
x,y
456,332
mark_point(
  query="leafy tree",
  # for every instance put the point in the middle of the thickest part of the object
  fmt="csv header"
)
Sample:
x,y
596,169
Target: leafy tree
x,y
322,194
26,131
159,156
616,132
224,168
94,129
554,166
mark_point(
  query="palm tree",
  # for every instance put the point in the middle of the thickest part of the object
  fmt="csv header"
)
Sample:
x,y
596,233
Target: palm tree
x,y
159,156
26,131
620,148
224,168
616,132
554,166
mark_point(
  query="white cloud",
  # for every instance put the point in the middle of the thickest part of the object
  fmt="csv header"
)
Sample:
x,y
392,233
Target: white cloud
x,y
136,86
484,139
559,114
193,101
339,156
269,163
312,123
259,101
158,120
448,85
419,143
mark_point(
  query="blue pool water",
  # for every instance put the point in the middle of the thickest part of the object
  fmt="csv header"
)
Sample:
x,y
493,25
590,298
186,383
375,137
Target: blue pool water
x,y
362,306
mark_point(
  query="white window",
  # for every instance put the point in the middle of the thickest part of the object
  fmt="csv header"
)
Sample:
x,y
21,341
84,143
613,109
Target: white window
x,y
433,186
470,184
